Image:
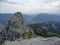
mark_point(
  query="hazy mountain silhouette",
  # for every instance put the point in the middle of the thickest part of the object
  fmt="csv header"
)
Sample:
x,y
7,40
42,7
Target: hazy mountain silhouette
x,y
36,18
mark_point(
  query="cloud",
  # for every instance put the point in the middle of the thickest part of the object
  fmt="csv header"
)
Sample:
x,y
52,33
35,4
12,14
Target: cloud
x,y
30,6
2,0
8,1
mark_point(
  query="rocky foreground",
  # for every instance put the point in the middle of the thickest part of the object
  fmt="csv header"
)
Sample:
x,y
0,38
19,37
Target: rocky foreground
x,y
35,41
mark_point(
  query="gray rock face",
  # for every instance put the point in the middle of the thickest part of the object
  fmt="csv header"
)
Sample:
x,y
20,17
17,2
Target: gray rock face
x,y
36,41
1,27
2,33
15,29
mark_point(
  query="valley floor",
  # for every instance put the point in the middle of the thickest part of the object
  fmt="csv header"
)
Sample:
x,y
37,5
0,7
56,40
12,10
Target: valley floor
x,y
36,41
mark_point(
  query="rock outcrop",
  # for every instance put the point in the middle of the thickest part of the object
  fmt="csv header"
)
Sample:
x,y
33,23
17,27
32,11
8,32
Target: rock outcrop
x,y
15,29
2,33
36,41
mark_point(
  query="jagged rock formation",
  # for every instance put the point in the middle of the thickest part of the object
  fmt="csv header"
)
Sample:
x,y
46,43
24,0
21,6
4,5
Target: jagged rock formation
x,y
15,29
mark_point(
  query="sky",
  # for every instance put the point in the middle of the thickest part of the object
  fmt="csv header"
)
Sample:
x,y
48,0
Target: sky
x,y
30,6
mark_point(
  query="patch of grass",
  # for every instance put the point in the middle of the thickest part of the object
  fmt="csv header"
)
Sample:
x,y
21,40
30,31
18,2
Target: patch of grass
x,y
27,35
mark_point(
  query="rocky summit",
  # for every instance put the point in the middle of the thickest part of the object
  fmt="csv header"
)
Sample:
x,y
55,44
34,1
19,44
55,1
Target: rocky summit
x,y
16,29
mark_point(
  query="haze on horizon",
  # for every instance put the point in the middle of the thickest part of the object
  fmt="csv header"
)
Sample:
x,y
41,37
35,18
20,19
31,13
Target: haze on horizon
x,y
30,6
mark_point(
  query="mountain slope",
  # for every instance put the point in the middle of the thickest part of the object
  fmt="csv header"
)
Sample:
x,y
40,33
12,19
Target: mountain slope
x,y
49,26
4,18
46,18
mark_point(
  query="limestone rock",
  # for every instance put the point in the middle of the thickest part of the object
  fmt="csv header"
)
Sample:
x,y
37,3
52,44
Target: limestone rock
x,y
36,41
16,28
2,33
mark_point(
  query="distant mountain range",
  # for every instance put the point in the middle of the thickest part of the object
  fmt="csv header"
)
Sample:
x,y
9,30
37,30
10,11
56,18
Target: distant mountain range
x,y
31,19
46,18
4,18
49,26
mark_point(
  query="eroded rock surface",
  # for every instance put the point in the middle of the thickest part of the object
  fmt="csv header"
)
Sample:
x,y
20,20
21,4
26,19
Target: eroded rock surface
x,y
15,29
36,41
2,33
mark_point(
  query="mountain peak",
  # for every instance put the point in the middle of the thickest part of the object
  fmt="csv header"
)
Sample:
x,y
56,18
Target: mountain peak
x,y
18,14
17,28
16,19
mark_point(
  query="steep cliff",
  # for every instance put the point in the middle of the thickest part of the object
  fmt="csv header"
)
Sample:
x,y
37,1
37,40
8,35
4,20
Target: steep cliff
x,y
15,29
